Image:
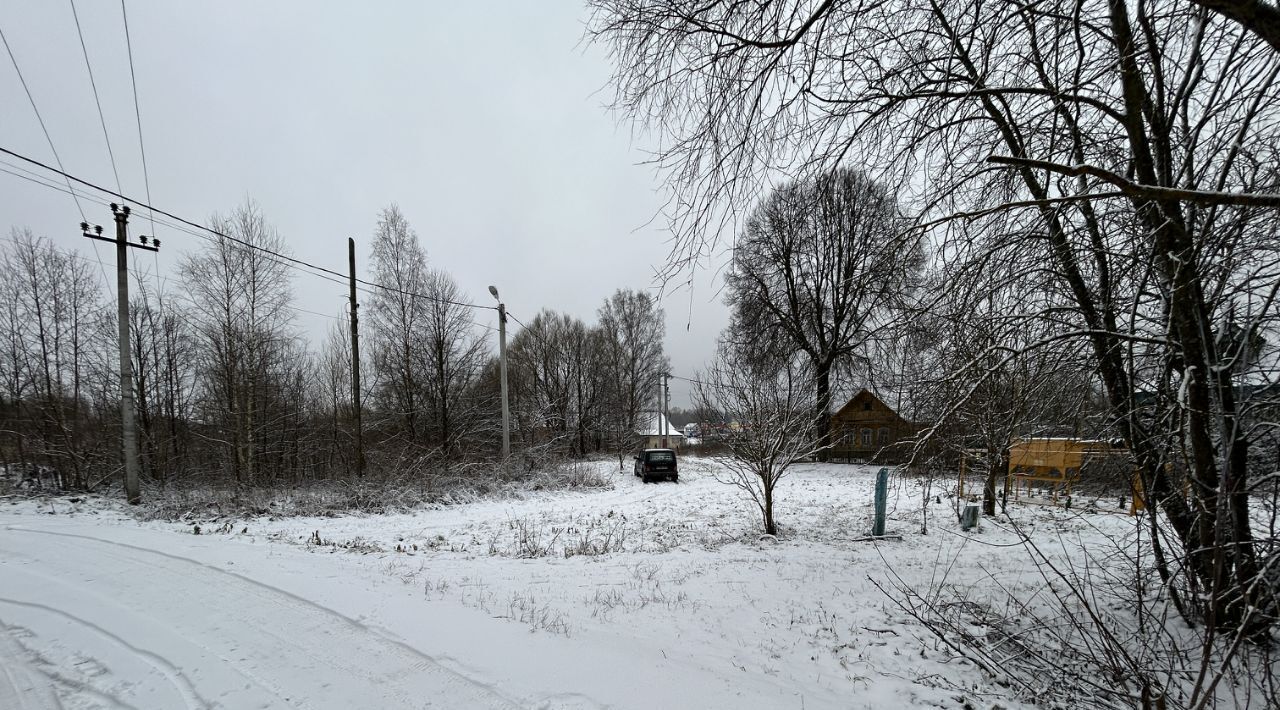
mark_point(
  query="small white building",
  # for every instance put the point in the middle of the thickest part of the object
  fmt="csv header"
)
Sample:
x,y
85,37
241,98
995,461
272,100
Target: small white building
x,y
654,435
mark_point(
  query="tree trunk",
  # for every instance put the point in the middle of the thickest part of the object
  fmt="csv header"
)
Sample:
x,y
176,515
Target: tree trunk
x,y
822,413
997,466
770,528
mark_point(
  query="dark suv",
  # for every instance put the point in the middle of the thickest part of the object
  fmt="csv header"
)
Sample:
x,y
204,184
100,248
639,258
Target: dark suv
x,y
656,464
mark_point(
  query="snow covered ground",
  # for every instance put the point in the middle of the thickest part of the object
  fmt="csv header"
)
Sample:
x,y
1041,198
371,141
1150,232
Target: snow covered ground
x,y
638,596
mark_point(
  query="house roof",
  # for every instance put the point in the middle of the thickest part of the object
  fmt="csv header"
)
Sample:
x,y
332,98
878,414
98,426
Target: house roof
x,y
863,395
650,425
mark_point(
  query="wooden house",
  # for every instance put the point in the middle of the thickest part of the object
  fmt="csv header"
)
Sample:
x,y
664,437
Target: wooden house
x,y
867,429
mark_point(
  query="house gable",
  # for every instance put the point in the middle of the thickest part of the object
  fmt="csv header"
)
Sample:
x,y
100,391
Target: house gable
x,y
865,426
865,406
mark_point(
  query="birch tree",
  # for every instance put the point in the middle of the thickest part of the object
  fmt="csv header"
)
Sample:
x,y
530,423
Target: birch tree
x,y
632,330
558,382
398,318
164,379
453,355
57,324
241,307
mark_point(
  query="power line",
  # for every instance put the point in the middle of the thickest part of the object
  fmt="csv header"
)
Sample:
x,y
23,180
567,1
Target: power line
x,y
48,138
249,245
142,146
285,261
66,252
437,299
39,118
522,325
40,180
96,100
686,379
159,289
43,182
330,316
137,112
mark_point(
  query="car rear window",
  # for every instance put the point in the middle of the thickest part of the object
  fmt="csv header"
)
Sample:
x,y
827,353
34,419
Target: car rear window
x,y
660,456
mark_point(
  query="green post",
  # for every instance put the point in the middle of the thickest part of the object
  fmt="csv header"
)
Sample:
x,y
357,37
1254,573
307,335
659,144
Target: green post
x,y
882,501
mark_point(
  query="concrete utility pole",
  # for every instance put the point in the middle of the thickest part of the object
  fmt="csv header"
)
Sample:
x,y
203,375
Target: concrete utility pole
x,y
662,408
128,423
355,358
666,404
502,372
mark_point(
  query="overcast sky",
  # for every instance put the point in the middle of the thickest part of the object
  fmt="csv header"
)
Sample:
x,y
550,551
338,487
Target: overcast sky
x,y
485,122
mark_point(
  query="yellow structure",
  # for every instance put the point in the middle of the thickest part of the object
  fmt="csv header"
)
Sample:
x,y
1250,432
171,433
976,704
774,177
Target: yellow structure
x,y
965,456
1139,493
1055,461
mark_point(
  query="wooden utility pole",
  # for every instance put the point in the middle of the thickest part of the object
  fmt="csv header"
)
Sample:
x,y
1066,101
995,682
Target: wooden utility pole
x,y
355,358
128,421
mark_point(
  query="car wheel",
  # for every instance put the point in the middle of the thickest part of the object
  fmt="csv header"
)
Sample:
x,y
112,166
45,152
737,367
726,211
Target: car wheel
x,y
675,479
647,479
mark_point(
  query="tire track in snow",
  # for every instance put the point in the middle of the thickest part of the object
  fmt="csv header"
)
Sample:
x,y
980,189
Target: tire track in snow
x,y
85,596
48,697
392,651
230,657
19,687
183,685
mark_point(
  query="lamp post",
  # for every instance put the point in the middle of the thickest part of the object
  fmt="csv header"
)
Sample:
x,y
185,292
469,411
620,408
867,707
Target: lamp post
x,y
502,372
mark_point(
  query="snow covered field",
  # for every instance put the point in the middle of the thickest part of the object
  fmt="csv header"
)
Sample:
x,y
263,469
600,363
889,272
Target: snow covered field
x,y
638,596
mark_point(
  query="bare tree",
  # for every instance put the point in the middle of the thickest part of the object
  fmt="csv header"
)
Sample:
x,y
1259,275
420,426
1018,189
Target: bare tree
x,y
632,330
333,395
822,267
1123,153
398,318
985,398
57,322
558,383
15,381
1257,16
164,377
453,354
240,302
763,416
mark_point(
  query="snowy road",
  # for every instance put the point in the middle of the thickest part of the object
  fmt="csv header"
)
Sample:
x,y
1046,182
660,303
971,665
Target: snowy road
x,y
114,622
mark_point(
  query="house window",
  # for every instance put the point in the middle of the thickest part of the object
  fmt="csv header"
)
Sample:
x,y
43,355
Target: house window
x,y
884,436
866,406
866,438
